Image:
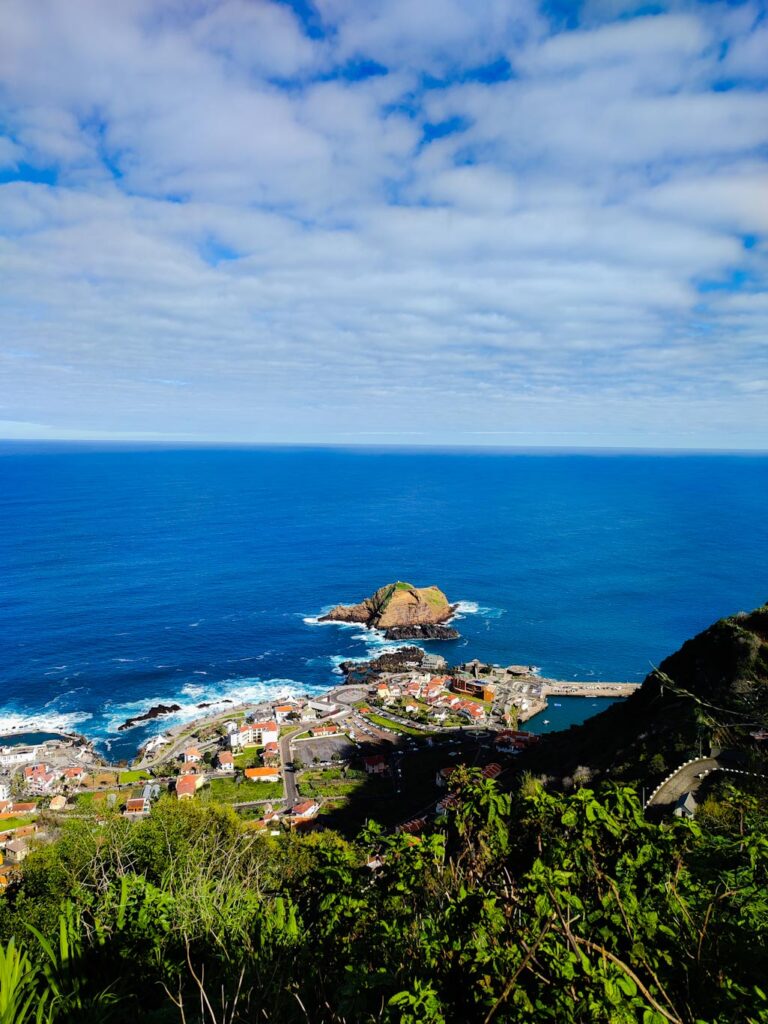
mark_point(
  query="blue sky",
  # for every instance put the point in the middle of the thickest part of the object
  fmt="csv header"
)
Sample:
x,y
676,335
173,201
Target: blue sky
x,y
434,222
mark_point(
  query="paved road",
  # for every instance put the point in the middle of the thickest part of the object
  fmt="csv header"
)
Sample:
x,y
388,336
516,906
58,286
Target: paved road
x,y
685,781
289,778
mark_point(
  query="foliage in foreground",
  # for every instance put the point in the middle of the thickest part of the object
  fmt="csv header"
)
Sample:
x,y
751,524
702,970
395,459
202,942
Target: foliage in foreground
x,y
536,908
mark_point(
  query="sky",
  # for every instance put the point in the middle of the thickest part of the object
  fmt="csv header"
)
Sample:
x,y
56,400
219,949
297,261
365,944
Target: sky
x,y
459,222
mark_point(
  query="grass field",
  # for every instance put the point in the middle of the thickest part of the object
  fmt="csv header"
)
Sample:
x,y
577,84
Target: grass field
x,y
127,777
330,783
96,801
228,791
8,823
101,779
387,723
249,758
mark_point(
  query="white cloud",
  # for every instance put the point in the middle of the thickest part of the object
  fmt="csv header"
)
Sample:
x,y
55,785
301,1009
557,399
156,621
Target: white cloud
x,y
242,239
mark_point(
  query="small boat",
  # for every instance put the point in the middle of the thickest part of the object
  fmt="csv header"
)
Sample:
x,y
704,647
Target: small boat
x,y
546,721
558,705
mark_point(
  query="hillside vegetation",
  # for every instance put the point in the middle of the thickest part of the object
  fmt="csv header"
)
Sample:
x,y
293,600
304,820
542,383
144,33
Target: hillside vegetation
x,y
530,906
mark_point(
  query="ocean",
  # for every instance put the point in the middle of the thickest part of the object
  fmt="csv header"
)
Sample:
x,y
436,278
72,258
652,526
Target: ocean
x,y
134,576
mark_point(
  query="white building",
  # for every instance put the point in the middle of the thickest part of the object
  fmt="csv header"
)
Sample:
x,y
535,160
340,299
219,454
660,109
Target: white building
x,y
10,756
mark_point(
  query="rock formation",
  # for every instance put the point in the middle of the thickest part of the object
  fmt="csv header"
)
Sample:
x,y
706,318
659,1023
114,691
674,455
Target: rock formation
x,y
154,712
403,611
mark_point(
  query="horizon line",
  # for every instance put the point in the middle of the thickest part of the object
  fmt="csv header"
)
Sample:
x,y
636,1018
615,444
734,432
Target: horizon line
x,y
188,444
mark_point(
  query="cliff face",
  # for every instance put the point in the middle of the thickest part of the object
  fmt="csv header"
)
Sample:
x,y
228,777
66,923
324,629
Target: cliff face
x,y
713,691
394,606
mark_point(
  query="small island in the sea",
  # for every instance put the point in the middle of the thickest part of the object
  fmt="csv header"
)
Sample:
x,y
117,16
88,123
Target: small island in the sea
x,y
402,612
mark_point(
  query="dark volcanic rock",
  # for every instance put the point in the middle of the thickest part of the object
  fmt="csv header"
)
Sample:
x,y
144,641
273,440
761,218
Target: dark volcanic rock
x,y
154,712
393,661
423,632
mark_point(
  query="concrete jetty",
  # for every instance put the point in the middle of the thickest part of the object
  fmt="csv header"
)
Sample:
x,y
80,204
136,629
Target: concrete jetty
x,y
561,688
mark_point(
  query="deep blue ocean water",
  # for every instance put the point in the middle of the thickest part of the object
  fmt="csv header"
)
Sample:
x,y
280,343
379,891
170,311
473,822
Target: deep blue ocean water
x,y
129,577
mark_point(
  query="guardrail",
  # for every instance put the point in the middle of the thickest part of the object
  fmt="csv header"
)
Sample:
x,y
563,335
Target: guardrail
x,y
672,774
699,760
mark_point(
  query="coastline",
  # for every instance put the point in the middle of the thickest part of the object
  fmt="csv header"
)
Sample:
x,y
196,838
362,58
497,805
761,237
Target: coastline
x,y
215,713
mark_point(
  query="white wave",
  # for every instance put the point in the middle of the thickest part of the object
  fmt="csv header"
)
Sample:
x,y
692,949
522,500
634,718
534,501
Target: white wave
x,y
222,695
467,607
52,721
314,620
193,690
464,608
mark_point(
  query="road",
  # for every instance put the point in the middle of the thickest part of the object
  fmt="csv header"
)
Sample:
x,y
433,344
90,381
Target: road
x,y
289,777
686,780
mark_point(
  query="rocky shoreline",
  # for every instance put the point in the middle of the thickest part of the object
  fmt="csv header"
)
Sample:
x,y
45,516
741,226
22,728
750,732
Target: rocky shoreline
x,y
422,632
157,711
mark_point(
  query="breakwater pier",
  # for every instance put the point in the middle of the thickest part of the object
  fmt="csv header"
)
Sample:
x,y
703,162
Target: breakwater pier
x,y
559,688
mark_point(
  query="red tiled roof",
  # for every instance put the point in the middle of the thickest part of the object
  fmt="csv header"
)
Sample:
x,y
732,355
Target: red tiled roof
x,y
304,807
260,773
186,785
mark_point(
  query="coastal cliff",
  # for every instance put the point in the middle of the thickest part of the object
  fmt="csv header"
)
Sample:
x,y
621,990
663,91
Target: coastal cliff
x,y
710,694
402,611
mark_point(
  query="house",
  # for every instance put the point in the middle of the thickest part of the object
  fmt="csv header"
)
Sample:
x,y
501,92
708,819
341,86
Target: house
x,y
267,732
230,727
16,850
376,764
305,810
685,806
282,711
74,774
188,785
433,691
58,803
137,807
472,711
192,755
382,690
39,778
5,788
262,774
329,729
271,753
411,707
225,761
24,807
188,769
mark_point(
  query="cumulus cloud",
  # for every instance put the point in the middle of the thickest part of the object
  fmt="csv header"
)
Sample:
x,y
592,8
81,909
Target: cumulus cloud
x,y
454,221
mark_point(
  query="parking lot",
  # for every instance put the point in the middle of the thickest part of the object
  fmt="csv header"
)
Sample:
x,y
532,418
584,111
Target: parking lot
x,y
323,748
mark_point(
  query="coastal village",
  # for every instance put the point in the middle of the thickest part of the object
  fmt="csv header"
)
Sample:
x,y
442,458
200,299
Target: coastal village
x,y
391,736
